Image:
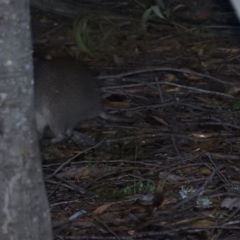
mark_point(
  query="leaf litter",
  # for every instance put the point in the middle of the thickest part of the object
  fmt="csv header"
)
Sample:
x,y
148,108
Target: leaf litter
x,y
175,171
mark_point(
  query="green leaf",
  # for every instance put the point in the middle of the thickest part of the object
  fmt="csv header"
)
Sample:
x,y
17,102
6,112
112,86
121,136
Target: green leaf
x,y
78,27
157,11
146,15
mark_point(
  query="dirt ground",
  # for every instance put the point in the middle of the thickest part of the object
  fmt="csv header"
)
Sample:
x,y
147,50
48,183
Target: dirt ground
x,y
175,172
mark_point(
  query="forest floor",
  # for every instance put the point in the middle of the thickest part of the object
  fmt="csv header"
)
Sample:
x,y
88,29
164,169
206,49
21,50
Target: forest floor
x,y
175,172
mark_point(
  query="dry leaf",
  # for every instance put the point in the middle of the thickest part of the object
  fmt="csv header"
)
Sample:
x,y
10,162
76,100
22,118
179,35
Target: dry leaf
x,y
231,203
188,170
187,221
101,209
160,120
171,78
206,171
83,172
167,201
201,135
203,223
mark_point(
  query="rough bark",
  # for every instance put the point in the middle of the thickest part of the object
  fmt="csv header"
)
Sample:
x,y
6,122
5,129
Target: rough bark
x,y
236,6
24,211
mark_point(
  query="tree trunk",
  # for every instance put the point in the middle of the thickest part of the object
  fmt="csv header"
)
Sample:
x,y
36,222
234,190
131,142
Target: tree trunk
x,y
24,211
236,6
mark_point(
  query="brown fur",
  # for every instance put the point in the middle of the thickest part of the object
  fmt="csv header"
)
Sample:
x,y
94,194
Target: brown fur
x,y
65,94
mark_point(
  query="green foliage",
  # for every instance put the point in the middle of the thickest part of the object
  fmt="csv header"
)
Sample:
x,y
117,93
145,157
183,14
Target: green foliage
x,y
139,188
236,105
81,31
154,9
148,14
